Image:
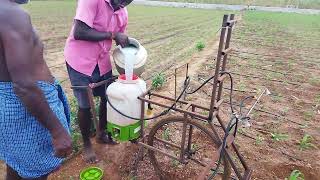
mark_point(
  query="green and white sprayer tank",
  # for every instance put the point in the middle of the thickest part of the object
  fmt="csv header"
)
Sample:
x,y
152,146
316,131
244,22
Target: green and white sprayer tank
x,y
123,94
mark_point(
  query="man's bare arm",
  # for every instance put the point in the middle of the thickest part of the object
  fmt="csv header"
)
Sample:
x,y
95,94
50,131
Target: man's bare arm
x,y
17,39
84,32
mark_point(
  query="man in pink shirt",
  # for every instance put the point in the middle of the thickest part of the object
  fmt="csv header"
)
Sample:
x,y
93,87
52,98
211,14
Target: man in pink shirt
x,y
96,24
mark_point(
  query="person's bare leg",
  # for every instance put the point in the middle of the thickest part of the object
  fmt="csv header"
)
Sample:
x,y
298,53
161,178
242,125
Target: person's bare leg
x,y
12,174
103,138
84,116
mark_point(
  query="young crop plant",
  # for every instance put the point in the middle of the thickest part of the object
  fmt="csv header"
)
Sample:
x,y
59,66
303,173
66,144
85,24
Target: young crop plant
x,y
295,175
200,45
158,81
305,143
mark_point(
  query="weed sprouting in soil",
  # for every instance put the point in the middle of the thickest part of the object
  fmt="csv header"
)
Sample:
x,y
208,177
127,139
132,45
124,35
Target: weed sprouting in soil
x,y
206,113
295,175
308,115
166,134
306,142
317,99
314,81
304,125
279,137
259,140
175,163
242,86
194,147
284,111
277,98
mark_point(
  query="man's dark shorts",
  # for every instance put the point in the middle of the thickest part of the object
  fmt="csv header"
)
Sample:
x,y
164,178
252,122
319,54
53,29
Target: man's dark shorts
x,y
79,79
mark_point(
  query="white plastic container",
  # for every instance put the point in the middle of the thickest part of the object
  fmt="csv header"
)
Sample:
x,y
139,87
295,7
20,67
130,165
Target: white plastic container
x,y
139,60
123,95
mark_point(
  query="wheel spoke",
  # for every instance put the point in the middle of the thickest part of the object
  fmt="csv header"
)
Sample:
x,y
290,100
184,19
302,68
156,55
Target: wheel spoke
x,y
199,146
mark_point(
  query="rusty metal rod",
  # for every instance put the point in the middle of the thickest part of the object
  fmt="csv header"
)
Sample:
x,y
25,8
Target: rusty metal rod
x,y
159,151
233,145
234,167
221,78
183,139
218,62
181,101
231,22
93,109
177,109
168,98
227,51
219,104
208,167
225,58
167,142
197,161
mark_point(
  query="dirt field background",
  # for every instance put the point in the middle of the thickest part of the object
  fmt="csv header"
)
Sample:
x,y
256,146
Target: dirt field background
x,y
277,51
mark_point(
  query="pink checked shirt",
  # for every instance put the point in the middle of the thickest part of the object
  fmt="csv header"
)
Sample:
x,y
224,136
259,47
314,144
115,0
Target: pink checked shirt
x,y
83,56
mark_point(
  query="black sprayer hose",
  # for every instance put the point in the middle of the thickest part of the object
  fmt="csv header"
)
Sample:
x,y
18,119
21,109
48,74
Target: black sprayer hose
x,y
230,124
187,81
229,127
204,83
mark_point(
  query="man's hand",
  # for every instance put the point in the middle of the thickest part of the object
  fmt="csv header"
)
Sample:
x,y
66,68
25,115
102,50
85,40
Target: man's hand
x,y
62,144
121,39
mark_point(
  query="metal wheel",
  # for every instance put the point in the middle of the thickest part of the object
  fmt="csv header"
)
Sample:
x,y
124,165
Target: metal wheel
x,y
200,146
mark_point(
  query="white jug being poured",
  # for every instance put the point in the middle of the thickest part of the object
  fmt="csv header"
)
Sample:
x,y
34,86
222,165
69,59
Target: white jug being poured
x,y
129,58
120,55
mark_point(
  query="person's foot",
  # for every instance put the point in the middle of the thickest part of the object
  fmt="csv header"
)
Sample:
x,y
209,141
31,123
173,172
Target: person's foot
x,y
105,139
89,155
